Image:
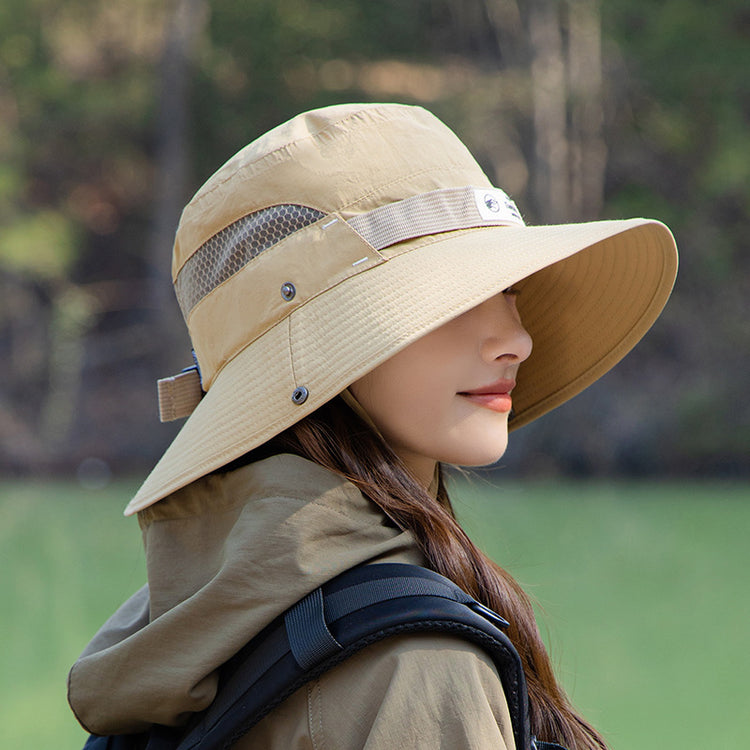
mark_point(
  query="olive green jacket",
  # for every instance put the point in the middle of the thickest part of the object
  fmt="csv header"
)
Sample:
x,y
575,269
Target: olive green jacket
x,y
227,555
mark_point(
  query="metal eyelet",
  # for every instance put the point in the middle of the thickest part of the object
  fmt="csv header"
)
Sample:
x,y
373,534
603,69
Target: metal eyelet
x,y
288,291
299,396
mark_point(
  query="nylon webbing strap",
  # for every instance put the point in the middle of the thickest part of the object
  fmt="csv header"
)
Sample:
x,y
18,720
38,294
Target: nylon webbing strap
x,y
179,394
335,605
435,212
306,623
273,648
309,637
348,600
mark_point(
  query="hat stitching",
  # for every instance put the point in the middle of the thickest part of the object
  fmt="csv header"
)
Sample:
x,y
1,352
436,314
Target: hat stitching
x,y
314,402
291,352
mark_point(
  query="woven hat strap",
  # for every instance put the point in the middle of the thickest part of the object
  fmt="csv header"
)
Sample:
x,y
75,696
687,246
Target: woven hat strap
x,y
434,212
179,394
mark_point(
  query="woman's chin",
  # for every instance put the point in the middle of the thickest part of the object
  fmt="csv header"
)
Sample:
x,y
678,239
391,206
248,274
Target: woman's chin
x,y
487,456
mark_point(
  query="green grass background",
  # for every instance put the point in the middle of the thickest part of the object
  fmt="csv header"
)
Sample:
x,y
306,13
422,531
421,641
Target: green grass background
x,y
641,589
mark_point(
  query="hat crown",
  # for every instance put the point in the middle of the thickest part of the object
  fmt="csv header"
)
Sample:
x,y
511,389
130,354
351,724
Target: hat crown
x,y
345,158
339,161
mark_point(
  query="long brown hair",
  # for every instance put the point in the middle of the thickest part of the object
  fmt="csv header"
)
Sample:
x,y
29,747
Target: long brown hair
x,y
336,438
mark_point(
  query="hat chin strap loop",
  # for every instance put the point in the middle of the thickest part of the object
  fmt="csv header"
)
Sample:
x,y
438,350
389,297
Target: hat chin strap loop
x,y
179,394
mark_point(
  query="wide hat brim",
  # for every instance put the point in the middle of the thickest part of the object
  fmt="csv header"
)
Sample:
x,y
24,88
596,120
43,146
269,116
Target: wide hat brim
x,y
589,292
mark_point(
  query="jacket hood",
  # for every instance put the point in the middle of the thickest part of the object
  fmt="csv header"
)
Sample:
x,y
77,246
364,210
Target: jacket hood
x,y
225,556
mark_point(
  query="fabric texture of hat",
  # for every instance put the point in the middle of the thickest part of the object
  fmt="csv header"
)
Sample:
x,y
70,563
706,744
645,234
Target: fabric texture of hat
x,y
340,237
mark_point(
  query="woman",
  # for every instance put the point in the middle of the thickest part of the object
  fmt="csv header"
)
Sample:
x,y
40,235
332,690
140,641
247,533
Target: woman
x,y
362,303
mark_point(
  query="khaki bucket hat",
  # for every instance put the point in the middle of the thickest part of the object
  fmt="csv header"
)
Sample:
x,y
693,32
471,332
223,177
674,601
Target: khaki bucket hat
x,y
340,237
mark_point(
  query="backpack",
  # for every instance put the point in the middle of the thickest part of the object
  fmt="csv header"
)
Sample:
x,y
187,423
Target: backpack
x,y
357,608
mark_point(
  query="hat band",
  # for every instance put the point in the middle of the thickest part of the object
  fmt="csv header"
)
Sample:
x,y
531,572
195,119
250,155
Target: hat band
x,y
231,249
434,212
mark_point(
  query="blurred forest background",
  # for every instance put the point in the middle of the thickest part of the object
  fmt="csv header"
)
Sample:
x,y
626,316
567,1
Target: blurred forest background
x,y
113,112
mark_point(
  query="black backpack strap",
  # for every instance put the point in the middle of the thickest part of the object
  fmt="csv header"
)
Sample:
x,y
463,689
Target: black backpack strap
x,y
357,608
360,607
159,737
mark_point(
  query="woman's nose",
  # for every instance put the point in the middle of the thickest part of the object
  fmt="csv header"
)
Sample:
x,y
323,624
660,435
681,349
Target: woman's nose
x,y
505,335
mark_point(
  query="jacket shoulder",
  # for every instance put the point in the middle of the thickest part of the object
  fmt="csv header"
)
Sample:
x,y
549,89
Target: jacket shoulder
x,y
417,691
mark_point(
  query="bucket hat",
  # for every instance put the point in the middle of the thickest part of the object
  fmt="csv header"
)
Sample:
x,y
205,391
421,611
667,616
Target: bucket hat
x,y
338,238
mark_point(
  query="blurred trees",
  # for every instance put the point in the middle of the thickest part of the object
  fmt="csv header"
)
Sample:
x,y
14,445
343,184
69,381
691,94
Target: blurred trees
x,y
112,113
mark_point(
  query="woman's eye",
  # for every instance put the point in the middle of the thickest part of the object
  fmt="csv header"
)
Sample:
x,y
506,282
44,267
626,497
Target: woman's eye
x,y
512,291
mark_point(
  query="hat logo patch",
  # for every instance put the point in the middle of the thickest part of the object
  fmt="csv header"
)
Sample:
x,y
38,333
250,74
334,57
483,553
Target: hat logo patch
x,y
491,203
495,205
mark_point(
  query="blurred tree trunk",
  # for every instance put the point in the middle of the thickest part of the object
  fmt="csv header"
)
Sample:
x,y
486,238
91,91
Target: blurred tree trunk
x,y
588,152
504,18
566,84
183,29
548,90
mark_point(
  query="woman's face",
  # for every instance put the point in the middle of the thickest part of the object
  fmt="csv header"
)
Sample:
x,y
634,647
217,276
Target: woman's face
x,y
447,396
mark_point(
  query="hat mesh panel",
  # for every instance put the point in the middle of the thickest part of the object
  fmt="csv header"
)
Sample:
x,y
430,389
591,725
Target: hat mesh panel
x,y
231,249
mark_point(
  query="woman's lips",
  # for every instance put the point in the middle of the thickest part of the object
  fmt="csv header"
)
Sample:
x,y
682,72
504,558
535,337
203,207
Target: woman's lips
x,y
495,396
